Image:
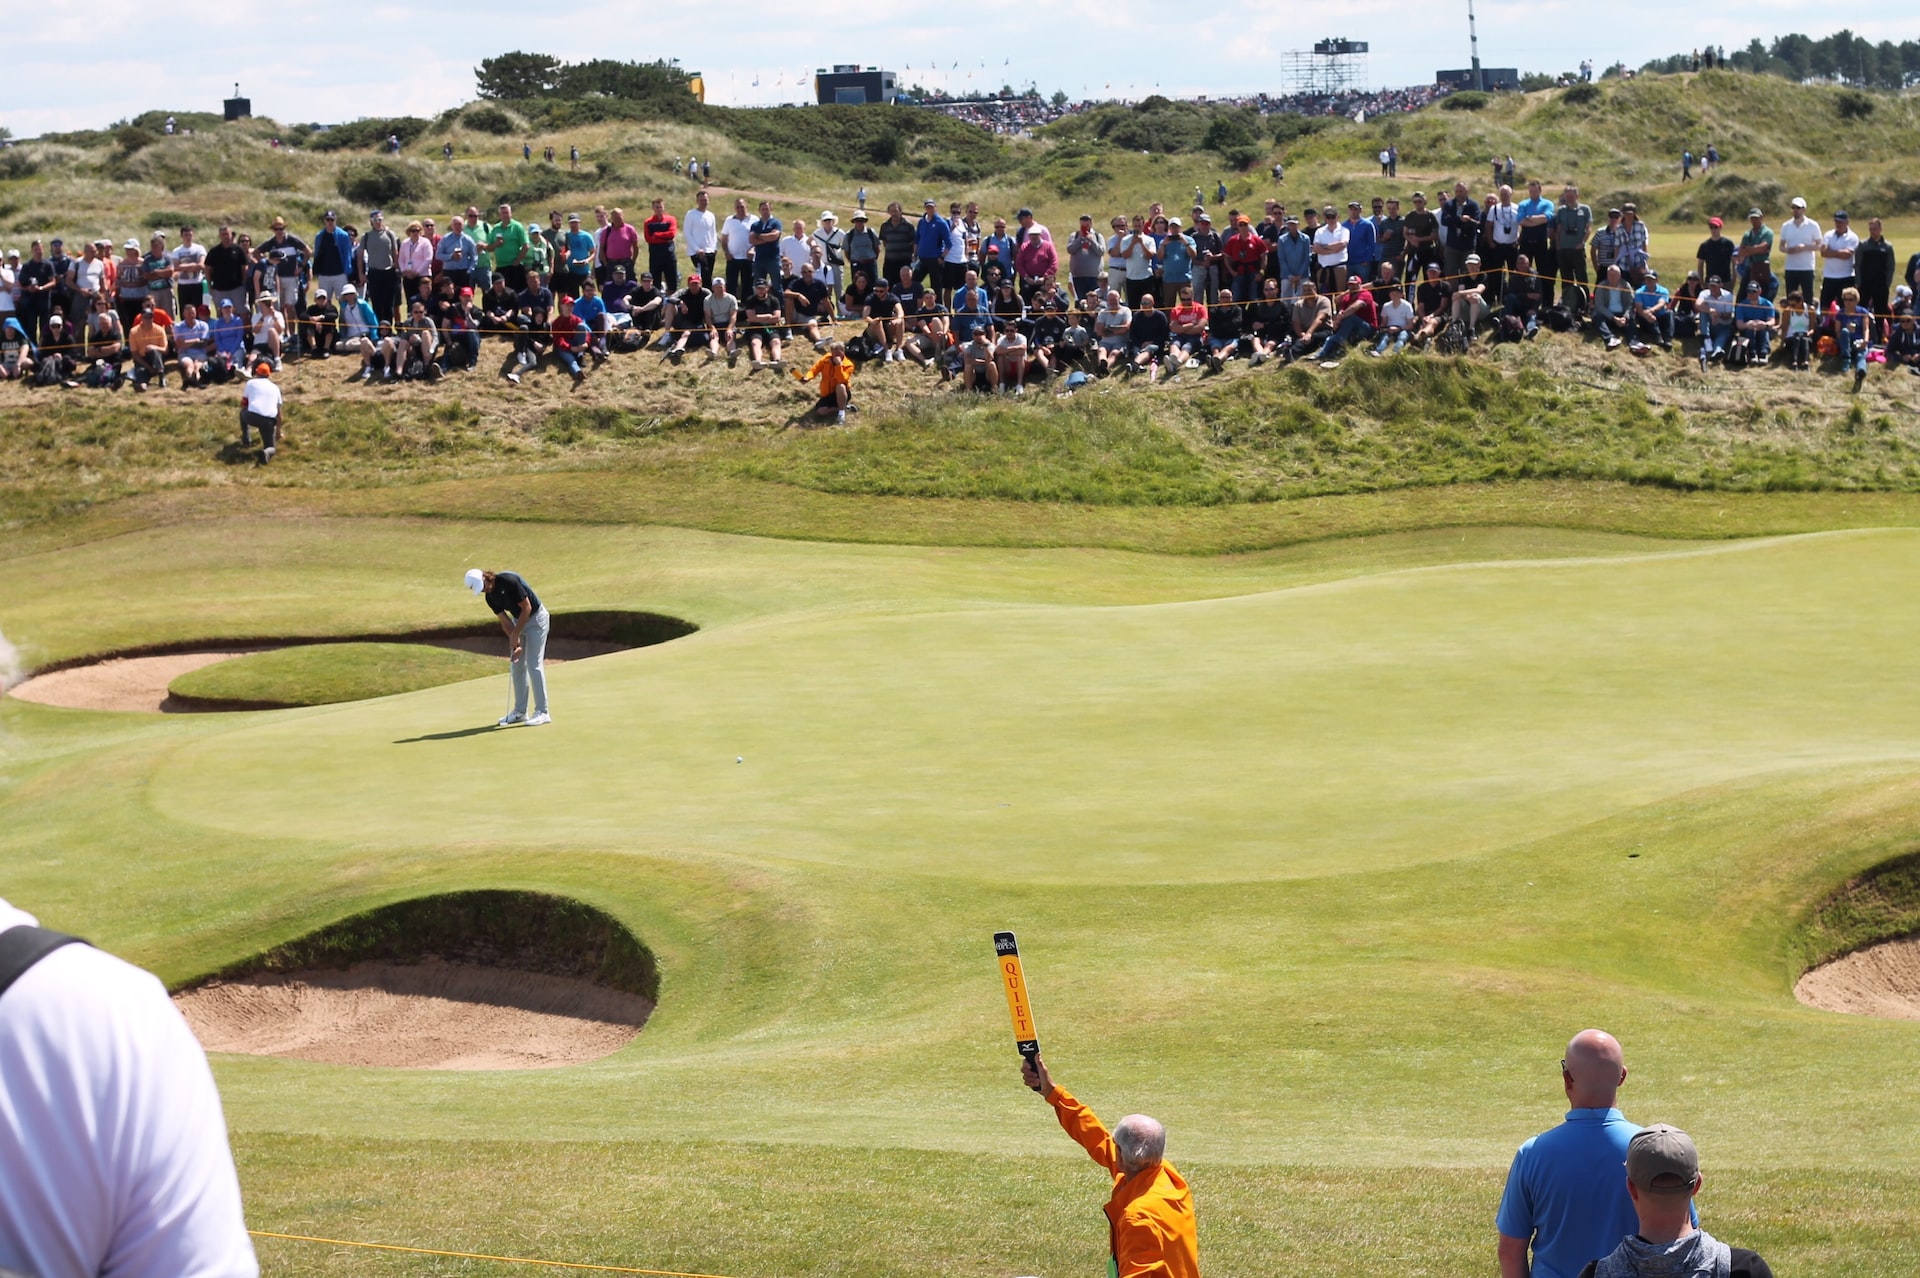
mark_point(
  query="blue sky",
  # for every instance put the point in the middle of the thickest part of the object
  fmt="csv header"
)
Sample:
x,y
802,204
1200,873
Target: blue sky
x,y
404,58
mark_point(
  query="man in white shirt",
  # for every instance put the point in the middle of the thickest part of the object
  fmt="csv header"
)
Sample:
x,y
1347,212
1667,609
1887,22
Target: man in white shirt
x,y
796,251
1502,217
702,234
832,243
1837,252
736,237
113,1148
189,280
1799,241
260,410
1330,252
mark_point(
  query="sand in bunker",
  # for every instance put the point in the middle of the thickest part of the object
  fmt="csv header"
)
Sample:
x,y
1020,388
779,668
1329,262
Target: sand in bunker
x,y
429,1015
120,683
1881,980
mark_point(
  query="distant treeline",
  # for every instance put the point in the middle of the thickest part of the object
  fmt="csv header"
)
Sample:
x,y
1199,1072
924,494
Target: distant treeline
x,y
1841,57
524,77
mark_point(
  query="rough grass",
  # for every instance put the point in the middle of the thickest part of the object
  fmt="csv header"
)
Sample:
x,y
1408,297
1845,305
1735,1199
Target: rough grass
x,y
1880,905
322,674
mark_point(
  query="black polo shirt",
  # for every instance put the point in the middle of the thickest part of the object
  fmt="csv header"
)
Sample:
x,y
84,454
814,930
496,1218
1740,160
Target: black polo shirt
x,y
506,593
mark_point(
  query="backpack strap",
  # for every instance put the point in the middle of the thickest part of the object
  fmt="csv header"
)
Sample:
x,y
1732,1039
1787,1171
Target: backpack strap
x,y
22,947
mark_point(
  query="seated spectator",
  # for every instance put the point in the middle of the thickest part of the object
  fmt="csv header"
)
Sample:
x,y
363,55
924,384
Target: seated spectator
x,y
1714,307
1432,303
192,341
418,344
853,302
763,313
1652,314
460,328
834,371
1524,296
689,317
106,339
591,311
1396,321
1852,329
361,332
1612,307
319,325
1754,321
1663,1178
570,339
927,330
1470,293
978,371
1228,326
147,342
533,315
498,304
1050,324
1796,330
1312,321
229,334
642,302
16,350
60,350
1147,336
809,304
269,328
1010,358
886,322
1187,320
1903,345
1355,322
1269,322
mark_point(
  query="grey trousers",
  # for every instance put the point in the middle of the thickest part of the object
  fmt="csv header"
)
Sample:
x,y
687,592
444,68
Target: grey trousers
x,y
531,668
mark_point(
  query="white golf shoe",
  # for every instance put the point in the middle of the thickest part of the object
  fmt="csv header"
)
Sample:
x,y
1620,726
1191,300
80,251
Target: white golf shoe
x,y
511,719
538,719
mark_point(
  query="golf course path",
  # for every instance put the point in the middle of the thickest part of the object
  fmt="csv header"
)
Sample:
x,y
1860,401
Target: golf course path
x,y
1881,980
428,1015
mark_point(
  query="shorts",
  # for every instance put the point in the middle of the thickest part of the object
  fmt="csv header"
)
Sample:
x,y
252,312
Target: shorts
x,y
953,275
829,404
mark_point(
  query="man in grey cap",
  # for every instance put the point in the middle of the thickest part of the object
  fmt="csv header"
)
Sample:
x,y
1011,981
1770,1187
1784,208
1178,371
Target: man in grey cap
x,y
1663,1175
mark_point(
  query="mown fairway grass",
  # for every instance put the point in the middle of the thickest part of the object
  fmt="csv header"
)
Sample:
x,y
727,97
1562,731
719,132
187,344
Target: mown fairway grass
x,y
323,674
1317,853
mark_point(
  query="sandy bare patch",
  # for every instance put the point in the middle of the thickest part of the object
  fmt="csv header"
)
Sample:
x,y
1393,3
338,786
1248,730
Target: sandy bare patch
x,y
1881,980
428,1015
119,683
140,683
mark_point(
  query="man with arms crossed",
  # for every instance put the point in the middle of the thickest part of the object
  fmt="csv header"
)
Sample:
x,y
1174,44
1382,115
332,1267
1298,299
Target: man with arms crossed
x,y
525,620
1150,1213
1565,1196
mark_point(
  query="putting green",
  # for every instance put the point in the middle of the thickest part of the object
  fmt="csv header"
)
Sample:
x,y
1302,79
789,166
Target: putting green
x,y
1318,854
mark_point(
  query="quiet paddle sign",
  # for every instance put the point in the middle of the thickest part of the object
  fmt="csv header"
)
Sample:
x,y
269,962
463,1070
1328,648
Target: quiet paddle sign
x,y
1025,1039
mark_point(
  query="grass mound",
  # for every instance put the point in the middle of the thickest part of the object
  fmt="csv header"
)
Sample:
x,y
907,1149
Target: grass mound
x,y
520,931
322,674
1882,904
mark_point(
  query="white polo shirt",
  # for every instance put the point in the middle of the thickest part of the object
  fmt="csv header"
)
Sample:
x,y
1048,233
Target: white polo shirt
x,y
700,232
113,1147
1798,242
1839,268
261,395
736,233
1330,245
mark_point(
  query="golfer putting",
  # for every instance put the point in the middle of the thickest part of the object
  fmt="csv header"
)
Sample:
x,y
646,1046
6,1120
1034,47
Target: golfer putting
x,y
1150,1223
525,620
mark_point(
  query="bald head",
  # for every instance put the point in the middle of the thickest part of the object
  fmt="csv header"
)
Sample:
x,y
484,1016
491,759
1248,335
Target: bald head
x,y
1594,1068
1140,1141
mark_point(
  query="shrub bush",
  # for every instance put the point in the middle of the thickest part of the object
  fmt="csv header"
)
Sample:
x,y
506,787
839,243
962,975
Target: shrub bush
x,y
370,134
1468,100
489,119
1581,94
375,183
1853,105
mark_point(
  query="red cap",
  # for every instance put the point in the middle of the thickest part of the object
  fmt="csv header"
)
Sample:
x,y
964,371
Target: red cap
x,y
466,290
1714,221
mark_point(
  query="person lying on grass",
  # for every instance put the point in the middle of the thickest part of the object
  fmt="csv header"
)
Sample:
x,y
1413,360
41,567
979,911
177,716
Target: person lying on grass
x,y
835,372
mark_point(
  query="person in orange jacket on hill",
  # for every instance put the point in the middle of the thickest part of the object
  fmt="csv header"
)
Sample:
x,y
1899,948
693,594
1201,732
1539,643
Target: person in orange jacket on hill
x,y
1150,1222
835,372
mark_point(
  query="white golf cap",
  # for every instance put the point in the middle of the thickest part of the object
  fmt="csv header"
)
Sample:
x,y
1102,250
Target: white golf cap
x,y
826,215
476,581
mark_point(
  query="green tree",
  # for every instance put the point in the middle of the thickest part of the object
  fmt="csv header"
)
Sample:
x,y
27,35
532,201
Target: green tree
x,y
518,76
1059,97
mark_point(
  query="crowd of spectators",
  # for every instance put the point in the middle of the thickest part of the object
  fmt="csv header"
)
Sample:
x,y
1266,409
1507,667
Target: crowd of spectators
x,y
996,303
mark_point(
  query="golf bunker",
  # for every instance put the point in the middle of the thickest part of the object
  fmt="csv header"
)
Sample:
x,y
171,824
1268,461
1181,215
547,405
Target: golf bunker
x,y
463,981
138,679
1880,980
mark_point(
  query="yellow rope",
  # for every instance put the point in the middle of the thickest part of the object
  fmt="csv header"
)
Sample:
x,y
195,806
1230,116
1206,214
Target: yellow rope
x,y
471,1255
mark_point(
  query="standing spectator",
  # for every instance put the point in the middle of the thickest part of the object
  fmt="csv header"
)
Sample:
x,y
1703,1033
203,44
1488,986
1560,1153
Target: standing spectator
x,y
112,1134
1176,269
129,287
1460,222
932,237
1605,246
574,260
898,238
796,251
380,264
36,282
332,256
660,231
701,231
863,249
86,280
764,235
1330,245
1873,270
1390,237
953,265
1538,216
1800,241
1502,221
1362,249
1572,223
831,242
287,257
1245,255
1422,236
1208,260
189,271
510,249
1566,1199
620,246
1836,253
1663,1176
1716,252
457,255
158,268
1633,244
736,237
1755,253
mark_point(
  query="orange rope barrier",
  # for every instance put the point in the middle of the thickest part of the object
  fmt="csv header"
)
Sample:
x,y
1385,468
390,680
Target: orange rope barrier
x,y
474,1255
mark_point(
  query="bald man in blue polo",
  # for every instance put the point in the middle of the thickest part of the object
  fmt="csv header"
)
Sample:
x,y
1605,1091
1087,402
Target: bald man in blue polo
x,y
1566,1199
